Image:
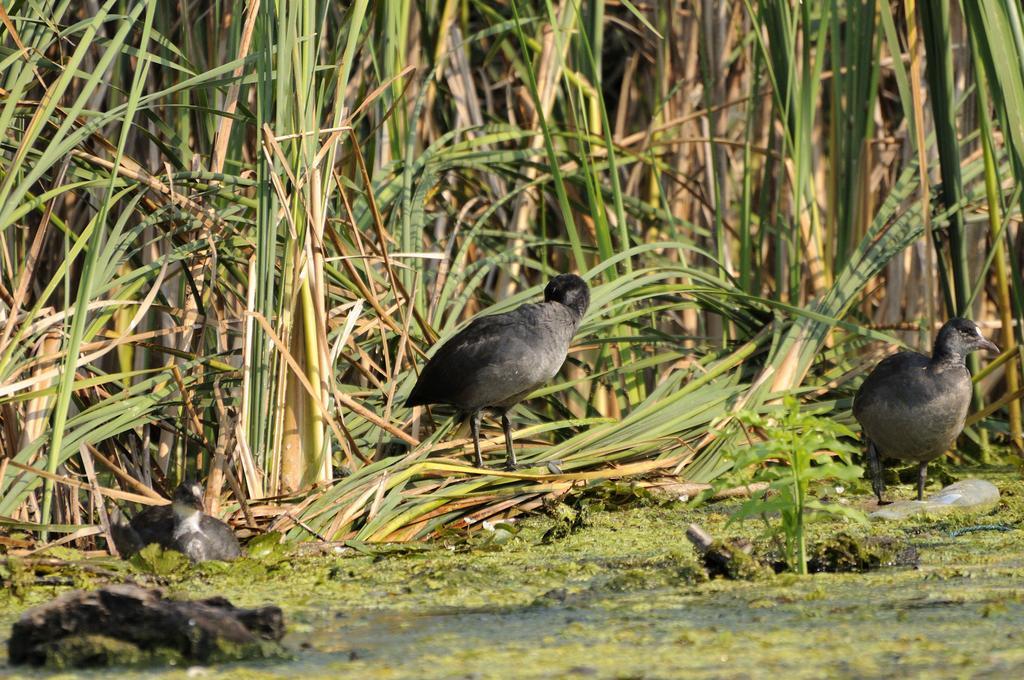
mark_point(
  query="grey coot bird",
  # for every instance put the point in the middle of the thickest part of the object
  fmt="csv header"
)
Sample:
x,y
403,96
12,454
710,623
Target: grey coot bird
x,y
497,360
181,526
912,407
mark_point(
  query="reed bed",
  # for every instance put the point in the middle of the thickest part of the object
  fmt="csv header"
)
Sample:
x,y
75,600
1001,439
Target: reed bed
x,y
231,232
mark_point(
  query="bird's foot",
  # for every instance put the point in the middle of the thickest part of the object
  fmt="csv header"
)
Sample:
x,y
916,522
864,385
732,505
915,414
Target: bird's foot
x,y
512,466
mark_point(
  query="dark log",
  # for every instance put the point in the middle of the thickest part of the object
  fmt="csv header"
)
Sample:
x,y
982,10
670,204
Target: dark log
x,y
126,624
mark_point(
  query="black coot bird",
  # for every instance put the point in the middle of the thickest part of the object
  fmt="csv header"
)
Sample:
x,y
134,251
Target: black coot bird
x,y
181,526
498,360
197,535
912,407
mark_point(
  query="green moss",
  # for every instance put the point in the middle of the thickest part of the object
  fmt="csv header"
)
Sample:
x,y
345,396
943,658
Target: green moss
x,y
15,577
845,553
94,651
636,579
267,548
159,562
226,651
88,651
727,560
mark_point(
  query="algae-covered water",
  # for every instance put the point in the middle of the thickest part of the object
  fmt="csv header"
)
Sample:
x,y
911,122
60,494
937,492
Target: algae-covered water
x,y
625,597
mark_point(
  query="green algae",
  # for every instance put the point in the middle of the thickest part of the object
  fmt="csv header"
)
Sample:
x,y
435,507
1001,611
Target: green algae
x,y
267,548
87,651
625,595
846,553
98,651
726,559
159,562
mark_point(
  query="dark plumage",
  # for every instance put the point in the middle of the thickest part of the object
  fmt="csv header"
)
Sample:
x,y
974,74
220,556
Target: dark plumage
x,y
496,361
197,535
155,524
912,407
181,526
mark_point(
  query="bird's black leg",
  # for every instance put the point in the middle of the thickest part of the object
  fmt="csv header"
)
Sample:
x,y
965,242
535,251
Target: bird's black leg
x,y
474,427
510,460
875,466
922,477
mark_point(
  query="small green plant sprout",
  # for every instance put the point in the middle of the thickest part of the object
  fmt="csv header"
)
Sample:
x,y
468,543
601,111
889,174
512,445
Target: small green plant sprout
x,y
789,450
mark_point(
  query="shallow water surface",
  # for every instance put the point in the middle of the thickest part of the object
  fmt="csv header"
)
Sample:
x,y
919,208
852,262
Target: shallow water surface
x,y
623,598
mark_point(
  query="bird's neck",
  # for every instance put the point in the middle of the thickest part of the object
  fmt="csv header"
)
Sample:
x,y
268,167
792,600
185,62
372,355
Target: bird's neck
x,y
575,312
188,520
944,358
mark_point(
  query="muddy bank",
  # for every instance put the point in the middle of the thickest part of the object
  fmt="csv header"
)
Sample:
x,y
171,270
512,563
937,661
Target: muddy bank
x,y
626,595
